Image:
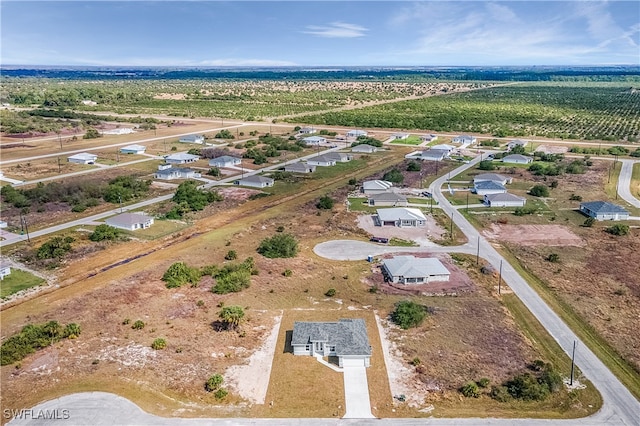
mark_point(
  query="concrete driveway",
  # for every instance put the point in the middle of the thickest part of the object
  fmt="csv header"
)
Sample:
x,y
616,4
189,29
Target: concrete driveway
x,y
356,393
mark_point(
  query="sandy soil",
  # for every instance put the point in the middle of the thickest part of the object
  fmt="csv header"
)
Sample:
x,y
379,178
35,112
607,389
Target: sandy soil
x,y
551,149
422,235
532,235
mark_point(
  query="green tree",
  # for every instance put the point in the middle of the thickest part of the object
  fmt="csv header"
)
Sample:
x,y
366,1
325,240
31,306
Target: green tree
x,y
486,165
413,166
214,171
539,191
179,273
92,134
618,229
231,316
231,255
280,245
325,203
56,247
394,176
71,331
214,383
104,232
470,390
408,314
195,199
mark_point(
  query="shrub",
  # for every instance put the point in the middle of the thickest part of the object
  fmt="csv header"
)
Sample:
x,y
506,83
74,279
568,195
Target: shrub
x,y
484,382
213,383
525,210
179,273
232,282
353,182
394,176
231,316
138,325
33,337
553,258
416,362
231,255
159,344
280,228
71,331
575,197
589,222
526,387
325,203
221,393
279,246
330,293
92,134
287,273
126,321
214,171
408,314
413,166
618,229
539,191
56,247
104,232
486,165
500,393
470,390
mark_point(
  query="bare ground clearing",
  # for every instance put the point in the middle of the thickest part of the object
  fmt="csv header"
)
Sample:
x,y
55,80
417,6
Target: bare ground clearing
x,y
532,235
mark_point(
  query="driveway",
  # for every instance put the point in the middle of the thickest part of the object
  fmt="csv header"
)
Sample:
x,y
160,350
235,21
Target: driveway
x,y
356,392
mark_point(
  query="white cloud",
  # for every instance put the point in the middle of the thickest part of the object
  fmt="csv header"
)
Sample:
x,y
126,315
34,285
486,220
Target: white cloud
x,y
337,30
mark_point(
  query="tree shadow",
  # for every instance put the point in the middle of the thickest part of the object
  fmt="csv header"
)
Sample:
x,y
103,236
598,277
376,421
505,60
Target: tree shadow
x,y
287,342
218,325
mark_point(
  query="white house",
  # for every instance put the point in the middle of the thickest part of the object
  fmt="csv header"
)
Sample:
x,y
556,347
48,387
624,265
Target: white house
x,y
428,138
118,131
5,269
255,181
414,270
192,139
314,140
299,167
376,186
88,102
488,187
364,148
517,159
504,200
133,149
339,157
516,142
484,177
225,161
602,210
82,158
400,136
400,217
388,199
356,133
443,147
130,221
170,173
181,158
464,139
307,130
434,154
347,339
322,161
3,224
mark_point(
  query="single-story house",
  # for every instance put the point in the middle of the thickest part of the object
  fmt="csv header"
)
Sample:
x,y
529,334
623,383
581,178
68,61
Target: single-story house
x,y
517,159
400,216
181,158
225,161
428,138
82,158
130,221
414,270
443,147
192,139
516,142
376,186
504,200
133,149
118,131
356,133
3,224
170,173
314,140
307,130
347,339
388,199
602,210
464,139
88,102
488,187
255,181
364,148
434,154
299,167
322,161
340,157
400,136
5,269
485,177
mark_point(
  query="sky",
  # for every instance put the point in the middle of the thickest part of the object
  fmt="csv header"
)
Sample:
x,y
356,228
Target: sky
x,y
319,33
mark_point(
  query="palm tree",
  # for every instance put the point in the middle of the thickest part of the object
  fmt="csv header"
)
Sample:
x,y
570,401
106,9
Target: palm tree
x,y
231,316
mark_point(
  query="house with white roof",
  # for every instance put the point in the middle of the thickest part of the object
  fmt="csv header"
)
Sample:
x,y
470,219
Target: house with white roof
x,y
255,181
130,221
299,167
517,159
495,177
516,142
225,161
5,269
171,173
322,161
82,158
376,186
443,147
307,130
356,133
192,139
488,187
400,217
133,149
118,131
434,154
400,136
464,139
181,158
339,157
414,270
364,148
314,140
504,200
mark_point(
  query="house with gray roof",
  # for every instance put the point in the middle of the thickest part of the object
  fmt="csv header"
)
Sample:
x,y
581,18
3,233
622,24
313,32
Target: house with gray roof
x,y
170,173
364,148
299,167
130,221
370,187
5,269
347,339
488,187
314,140
225,161
133,149
494,177
428,138
603,210
339,157
443,147
356,133
434,154
181,158
517,159
504,200
82,158
388,199
255,181
322,161
516,142
414,270
464,139
192,139
307,130
400,217
400,136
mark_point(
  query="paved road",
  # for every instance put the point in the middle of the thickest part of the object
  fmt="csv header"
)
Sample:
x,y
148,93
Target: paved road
x,y
624,183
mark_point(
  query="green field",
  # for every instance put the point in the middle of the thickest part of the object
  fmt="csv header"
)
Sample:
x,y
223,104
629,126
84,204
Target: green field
x,y
18,280
411,140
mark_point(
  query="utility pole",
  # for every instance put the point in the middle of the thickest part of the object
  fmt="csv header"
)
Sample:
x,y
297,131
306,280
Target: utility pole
x,y
500,279
478,252
117,156
26,227
59,167
120,200
451,229
573,358
59,140
431,204
467,201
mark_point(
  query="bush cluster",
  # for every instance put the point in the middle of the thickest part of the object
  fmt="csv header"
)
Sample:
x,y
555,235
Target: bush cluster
x,y
231,278
179,274
33,337
281,245
408,314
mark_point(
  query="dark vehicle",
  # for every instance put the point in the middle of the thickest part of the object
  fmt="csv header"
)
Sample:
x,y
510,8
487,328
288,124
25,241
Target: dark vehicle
x,y
379,240
426,194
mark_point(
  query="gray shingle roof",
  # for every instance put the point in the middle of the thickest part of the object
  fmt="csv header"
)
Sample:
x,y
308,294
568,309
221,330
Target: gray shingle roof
x,y
299,167
503,197
414,267
600,207
490,176
489,184
128,219
388,196
256,178
349,336
517,157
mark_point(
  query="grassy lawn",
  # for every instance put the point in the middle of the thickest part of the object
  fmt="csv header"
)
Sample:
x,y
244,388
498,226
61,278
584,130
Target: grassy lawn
x,y
611,185
411,140
419,201
635,180
18,280
339,168
360,205
402,243
160,228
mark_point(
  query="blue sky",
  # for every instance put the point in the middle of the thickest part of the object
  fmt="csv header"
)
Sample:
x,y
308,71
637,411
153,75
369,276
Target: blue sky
x,y
325,33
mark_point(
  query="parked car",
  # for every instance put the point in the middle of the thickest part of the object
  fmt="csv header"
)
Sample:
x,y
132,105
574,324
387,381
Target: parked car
x,y
379,240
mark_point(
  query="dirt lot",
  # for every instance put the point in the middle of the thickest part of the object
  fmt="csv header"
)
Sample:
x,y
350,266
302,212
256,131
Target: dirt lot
x,y
533,235
422,235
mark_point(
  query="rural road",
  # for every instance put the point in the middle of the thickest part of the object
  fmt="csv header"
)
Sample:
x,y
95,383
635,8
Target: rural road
x,y
624,183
